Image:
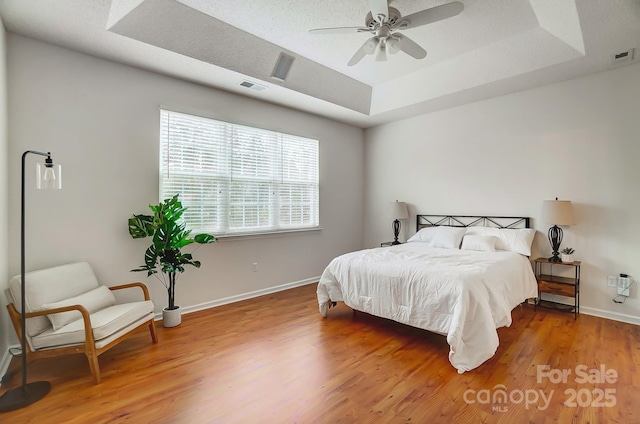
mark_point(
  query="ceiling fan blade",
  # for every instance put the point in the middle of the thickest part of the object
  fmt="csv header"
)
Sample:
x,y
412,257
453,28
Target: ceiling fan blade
x,y
410,47
339,30
379,7
368,47
428,16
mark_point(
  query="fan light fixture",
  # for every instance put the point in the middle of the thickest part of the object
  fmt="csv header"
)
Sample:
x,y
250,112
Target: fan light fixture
x,y
393,45
370,45
381,54
383,20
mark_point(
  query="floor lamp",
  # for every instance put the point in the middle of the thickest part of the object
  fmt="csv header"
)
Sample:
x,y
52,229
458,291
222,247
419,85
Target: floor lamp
x,y
48,177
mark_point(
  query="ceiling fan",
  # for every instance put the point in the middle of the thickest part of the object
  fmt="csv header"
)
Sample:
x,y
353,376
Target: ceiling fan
x,y
383,22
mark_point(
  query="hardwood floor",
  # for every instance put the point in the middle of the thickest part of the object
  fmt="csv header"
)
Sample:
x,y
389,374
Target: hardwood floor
x,y
274,359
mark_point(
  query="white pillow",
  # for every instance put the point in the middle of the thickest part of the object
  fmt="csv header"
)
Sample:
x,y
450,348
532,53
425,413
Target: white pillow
x,y
516,240
481,243
448,237
425,235
93,300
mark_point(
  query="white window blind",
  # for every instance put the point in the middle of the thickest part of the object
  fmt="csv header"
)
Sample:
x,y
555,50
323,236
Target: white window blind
x,y
236,179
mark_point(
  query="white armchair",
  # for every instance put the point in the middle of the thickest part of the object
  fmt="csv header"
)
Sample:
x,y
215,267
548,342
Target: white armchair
x,y
69,312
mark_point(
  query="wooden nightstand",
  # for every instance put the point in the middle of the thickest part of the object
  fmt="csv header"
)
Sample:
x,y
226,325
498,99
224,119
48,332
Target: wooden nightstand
x,y
555,284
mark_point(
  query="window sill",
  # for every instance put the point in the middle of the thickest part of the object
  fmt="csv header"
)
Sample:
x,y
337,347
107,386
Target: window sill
x,y
280,233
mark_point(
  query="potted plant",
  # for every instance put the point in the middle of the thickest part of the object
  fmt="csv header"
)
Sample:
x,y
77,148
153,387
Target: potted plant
x,y
169,236
567,254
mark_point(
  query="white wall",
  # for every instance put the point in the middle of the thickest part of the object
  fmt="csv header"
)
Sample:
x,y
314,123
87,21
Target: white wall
x,y
577,140
100,120
5,330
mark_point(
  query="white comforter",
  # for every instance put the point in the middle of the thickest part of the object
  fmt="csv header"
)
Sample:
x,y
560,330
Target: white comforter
x,y
463,294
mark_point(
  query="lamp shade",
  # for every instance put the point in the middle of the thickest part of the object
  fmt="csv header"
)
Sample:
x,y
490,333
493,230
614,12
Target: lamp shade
x,y
381,53
49,176
370,45
557,212
399,210
393,45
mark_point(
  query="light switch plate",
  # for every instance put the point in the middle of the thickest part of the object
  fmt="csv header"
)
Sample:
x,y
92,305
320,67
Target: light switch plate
x,y
612,281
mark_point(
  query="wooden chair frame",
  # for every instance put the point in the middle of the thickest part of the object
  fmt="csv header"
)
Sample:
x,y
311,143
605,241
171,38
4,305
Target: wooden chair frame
x,y
89,346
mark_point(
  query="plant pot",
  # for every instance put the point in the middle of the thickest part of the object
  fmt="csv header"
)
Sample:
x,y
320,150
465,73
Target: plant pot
x,y
171,317
566,258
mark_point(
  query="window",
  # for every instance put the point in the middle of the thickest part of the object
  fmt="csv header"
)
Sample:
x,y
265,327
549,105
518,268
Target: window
x,y
236,179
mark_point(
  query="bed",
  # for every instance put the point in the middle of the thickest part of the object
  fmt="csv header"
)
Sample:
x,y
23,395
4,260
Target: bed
x,y
460,276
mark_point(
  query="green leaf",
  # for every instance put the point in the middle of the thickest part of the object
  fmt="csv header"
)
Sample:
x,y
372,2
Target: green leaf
x,y
141,226
205,238
150,257
167,236
141,268
168,268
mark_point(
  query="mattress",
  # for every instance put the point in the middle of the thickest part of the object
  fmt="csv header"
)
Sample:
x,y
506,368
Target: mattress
x,y
465,295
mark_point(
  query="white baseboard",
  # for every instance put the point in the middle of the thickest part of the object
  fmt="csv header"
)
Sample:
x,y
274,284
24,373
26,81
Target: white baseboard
x,y
243,296
616,316
5,361
601,313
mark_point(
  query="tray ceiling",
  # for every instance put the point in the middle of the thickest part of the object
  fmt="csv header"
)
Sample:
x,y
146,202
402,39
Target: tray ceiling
x,y
493,47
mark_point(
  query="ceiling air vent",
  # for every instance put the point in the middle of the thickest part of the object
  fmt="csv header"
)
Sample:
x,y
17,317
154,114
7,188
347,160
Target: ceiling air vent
x,y
281,70
252,85
622,57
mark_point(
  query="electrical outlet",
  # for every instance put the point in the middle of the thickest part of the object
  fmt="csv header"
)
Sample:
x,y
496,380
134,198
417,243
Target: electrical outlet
x,y
623,286
254,267
612,281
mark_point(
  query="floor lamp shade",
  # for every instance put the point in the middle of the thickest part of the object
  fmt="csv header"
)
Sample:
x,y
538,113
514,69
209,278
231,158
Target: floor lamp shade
x,y
556,212
48,177
398,211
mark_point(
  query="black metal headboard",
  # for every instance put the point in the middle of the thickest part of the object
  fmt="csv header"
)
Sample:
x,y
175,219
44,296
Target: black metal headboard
x,y
471,221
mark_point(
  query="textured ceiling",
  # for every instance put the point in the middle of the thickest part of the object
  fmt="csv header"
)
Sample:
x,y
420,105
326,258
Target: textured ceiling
x,y
493,47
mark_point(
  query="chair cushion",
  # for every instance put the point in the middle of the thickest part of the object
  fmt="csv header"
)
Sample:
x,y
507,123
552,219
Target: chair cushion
x,y
93,301
104,322
51,285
